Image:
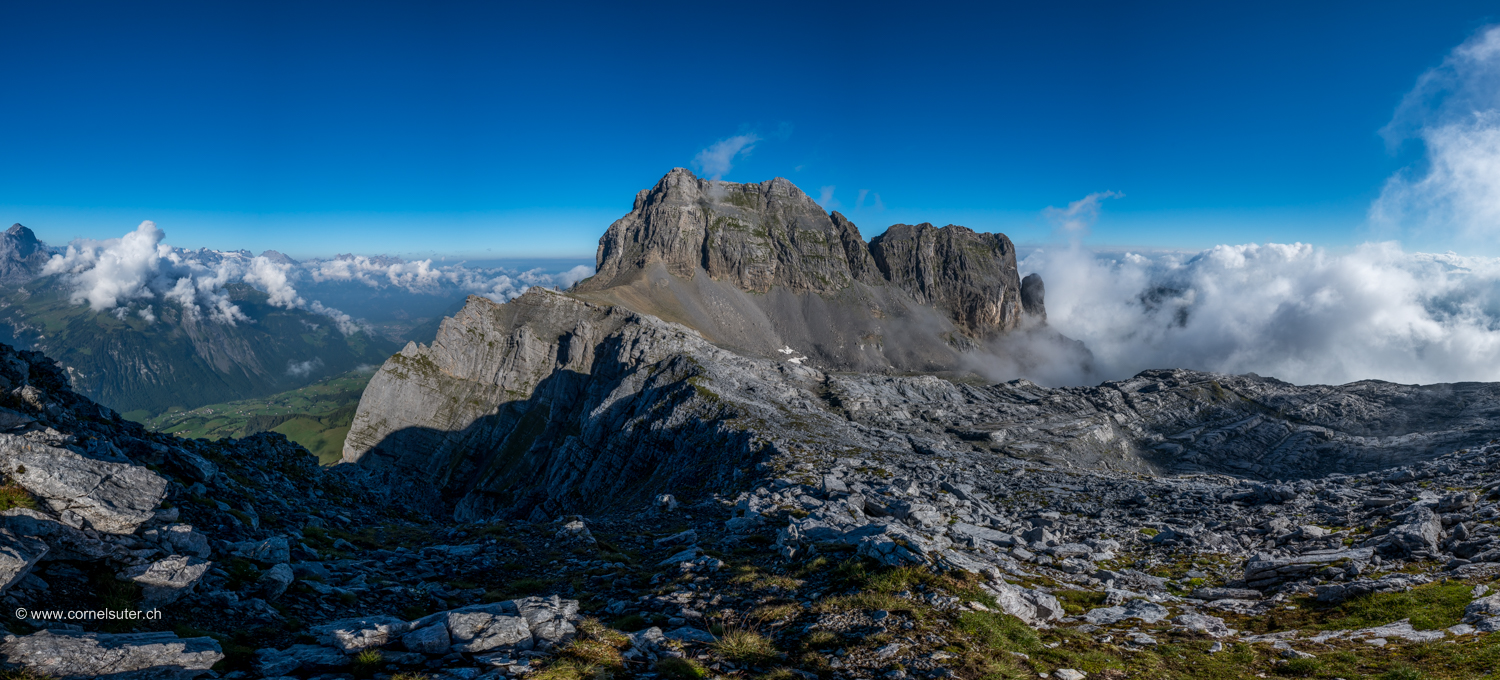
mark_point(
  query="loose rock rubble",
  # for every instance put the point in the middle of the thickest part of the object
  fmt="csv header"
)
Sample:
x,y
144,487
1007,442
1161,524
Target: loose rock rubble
x,y
867,546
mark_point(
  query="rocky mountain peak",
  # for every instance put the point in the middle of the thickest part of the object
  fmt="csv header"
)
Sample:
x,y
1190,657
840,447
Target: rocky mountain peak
x,y
761,268
22,255
755,236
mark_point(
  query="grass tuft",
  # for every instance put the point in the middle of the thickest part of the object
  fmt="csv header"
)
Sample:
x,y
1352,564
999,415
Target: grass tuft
x,y
13,495
745,647
680,669
367,662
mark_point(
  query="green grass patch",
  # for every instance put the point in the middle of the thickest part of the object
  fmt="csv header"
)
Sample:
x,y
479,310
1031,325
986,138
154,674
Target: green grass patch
x,y
1430,607
13,495
1079,601
680,669
745,647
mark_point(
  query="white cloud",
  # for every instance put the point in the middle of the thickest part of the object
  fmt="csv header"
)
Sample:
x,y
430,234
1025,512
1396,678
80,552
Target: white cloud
x,y
1075,220
116,273
826,199
717,160
345,323
301,369
107,273
566,279
1293,311
274,278
418,276
422,277
1454,112
138,266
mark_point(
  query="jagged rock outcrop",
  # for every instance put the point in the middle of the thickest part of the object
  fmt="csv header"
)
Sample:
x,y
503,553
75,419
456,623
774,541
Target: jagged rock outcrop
x,y
754,236
970,276
760,268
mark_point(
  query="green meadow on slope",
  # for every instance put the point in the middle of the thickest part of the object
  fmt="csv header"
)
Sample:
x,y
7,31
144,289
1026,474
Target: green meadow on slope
x,y
316,416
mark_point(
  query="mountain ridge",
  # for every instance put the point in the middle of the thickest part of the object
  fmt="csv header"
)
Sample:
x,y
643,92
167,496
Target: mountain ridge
x,y
761,268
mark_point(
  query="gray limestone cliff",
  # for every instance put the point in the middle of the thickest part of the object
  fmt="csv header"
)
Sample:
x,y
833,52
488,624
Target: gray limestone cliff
x,y
754,236
550,401
970,276
761,268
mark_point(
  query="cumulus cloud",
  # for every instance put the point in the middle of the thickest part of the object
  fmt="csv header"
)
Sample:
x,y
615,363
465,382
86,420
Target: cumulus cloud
x,y
718,159
113,273
1292,311
106,273
275,279
1075,220
1454,112
118,275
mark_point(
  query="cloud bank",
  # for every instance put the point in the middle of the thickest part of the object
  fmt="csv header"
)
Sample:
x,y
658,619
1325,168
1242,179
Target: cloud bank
x,y
1454,112
136,272
1290,311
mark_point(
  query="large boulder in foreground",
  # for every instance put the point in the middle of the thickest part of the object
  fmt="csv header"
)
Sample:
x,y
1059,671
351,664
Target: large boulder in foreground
x,y
112,497
67,655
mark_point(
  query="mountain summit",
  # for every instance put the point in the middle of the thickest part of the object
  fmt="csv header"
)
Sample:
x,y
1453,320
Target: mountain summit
x,y
22,255
760,268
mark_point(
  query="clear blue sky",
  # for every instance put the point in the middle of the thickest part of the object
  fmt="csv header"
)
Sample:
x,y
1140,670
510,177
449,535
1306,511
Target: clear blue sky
x,y
509,129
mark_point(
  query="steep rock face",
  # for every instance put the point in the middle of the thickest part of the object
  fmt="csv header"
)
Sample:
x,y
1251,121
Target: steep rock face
x,y
22,256
970,276
555,403
761,268
549,404
754,236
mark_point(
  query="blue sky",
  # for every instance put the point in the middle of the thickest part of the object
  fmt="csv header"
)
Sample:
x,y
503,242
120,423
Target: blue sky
x,y
486,130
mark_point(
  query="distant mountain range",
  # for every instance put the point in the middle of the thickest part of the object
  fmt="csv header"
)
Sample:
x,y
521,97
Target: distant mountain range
x,y
148,353
142,366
